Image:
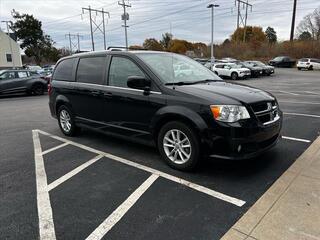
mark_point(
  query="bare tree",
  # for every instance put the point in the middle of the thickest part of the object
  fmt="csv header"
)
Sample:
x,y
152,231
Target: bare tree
x,y
311,24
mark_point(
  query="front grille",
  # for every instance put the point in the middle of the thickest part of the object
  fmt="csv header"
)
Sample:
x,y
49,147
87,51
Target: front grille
x,y
266,112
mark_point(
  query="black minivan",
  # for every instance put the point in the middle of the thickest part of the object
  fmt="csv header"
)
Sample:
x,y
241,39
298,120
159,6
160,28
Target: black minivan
x,y
163,99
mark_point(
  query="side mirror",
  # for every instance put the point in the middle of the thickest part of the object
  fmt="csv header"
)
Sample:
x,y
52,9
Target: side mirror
x,y
138,82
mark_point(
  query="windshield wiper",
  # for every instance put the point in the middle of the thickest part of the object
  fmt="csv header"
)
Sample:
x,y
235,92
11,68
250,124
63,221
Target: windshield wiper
x,y
206,81
178,83
190,83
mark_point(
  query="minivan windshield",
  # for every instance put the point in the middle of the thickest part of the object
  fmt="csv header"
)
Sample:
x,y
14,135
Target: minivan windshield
x,y
174,68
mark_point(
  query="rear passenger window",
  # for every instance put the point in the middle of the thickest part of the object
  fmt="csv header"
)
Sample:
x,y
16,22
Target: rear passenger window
x,y
22,74
91,70
64,70
120,69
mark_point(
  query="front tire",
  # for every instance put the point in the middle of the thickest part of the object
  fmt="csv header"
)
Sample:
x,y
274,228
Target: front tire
x,y
66,121
179,146
234,76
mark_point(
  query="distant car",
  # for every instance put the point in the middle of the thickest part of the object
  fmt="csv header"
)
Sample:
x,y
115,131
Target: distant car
x,y
21,81
255,70
182,70
231,70
34,68
203,61
309,64
267,70
229,60
282,61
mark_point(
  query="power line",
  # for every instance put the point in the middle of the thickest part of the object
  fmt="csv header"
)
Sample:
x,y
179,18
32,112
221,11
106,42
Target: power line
x,y
74,44
97,26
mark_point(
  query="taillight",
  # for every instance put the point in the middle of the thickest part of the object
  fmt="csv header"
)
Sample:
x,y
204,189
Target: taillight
x,y
49,89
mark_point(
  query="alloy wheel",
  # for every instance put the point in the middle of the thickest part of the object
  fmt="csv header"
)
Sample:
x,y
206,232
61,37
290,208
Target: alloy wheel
x,y
65,121
177,146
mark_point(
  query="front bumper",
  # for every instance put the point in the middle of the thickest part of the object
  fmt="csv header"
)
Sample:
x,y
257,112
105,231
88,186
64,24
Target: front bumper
x,y
244,142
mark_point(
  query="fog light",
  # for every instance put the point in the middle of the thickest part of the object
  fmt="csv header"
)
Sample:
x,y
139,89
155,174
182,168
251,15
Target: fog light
x,y
239,148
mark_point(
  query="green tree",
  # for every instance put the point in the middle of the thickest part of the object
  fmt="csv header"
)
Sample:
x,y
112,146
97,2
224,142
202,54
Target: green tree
x,y
165,41
152,44
33,40
271,35
305,36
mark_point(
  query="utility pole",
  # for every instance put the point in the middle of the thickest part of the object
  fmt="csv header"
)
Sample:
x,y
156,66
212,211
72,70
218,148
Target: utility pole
x,y
125,18
293,19
242,20
10,43
212,6
72,43
97,25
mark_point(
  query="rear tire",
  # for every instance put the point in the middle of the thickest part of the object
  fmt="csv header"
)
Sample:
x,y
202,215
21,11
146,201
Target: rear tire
x,y
234,76
311,68
37,89
179,146
66,121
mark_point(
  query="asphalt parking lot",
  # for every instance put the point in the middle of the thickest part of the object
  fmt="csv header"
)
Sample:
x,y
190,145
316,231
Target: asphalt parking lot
x,y
98,187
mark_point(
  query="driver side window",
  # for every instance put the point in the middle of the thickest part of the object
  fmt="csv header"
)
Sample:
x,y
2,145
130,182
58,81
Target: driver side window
x,y
120,69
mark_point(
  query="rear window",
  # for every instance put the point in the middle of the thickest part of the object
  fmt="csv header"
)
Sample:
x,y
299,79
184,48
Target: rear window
x,y
64,70
303,60
91,70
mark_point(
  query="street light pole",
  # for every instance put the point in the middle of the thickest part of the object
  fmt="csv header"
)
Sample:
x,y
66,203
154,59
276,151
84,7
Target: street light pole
x,y
212,6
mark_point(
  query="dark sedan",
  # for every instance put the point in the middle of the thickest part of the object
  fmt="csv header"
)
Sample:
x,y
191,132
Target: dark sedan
x,y
266,69
21,81
255,70
282,61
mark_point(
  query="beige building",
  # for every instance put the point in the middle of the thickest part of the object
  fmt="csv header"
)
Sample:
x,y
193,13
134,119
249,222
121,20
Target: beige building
x,y
10,55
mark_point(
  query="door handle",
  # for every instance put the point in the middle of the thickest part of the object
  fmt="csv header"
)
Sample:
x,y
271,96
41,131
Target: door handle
x,y
107,94
96,93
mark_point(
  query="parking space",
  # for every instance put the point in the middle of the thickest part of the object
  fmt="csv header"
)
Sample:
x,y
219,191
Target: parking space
x,y
98,187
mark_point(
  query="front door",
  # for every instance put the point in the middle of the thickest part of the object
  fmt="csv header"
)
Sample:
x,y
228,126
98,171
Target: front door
x,y
126,111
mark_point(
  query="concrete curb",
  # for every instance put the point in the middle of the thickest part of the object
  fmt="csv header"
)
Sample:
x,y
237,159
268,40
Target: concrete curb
x,y
259,222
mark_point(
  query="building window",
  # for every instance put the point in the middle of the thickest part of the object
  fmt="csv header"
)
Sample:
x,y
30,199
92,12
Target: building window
x,y
9,57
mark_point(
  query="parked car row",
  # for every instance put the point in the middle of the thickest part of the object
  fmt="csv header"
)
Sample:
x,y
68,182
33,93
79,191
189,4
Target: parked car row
x,y
235,69
280,61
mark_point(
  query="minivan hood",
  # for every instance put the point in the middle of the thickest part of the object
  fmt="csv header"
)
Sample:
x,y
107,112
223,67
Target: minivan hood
x,y
225,93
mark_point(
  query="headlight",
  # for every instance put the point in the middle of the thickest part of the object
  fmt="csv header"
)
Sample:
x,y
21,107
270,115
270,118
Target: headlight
x,y
229,113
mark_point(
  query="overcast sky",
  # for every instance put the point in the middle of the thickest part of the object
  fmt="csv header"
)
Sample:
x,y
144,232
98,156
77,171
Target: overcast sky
x,y
189,19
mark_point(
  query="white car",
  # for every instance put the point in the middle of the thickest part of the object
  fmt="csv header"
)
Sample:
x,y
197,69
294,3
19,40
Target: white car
x,y
231,70
308,63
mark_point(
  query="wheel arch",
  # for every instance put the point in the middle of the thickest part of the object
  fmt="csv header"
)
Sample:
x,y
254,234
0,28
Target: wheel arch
x,y
177,113
62,100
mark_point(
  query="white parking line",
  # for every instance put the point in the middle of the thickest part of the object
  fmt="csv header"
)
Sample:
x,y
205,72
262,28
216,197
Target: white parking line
x,y
311,92
295,94
55,148
117,214
296,139
73,172
302,114
46,224
194,186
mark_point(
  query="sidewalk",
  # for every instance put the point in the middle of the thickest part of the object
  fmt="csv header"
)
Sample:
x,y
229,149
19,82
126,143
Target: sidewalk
x,y
290,209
